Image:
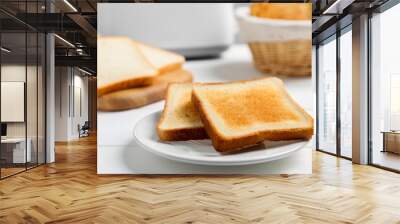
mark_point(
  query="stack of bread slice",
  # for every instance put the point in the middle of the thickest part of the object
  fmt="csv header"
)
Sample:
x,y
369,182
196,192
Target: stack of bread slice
x,y
235,115
132,74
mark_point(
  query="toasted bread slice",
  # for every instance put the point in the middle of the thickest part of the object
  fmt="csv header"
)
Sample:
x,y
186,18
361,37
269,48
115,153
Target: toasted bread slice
x,y
164,61
290,11
121,65
179,119
140,96
240,114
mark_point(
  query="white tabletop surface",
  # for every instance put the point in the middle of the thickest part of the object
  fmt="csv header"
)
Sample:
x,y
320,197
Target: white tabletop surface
x,y
119,153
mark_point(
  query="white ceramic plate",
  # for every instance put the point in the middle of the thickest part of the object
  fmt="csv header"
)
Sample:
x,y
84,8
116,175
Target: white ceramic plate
x,y
202,152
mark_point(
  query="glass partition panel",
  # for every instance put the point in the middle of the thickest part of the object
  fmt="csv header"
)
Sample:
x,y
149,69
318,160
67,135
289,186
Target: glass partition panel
x,y
385,89
14,153
327,96
23,89
32,98
32,85
41,78
346,94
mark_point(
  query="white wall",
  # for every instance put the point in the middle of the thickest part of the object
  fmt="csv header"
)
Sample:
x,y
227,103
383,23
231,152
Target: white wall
x,y
62,81
79,117
70,83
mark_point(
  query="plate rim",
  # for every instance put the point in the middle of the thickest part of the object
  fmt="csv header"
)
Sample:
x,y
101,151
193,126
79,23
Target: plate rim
x,y
191,160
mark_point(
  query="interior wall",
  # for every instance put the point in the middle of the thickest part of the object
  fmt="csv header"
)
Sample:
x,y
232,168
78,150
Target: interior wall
x,y
71,102
62,80
80,103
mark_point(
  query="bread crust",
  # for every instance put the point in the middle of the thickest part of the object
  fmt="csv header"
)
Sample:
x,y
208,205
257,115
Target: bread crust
x,y
182,134
140,96
125,84
136,82
169,67
224,144
114,102
179,134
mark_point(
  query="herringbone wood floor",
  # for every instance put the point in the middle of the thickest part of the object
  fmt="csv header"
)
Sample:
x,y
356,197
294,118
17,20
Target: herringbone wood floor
x,y
70,191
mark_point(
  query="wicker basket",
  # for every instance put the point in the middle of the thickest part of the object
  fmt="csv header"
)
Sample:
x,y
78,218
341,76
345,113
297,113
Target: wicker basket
x,y
292,58
279,47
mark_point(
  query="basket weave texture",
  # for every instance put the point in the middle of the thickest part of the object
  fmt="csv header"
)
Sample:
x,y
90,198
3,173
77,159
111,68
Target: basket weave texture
x,y
290,58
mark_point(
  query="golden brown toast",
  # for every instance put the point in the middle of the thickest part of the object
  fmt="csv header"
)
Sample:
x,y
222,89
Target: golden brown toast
x,y
179,119
144,95
240,114
290,11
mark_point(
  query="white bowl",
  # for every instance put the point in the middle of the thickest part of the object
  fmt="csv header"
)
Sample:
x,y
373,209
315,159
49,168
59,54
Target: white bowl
x,y
255,29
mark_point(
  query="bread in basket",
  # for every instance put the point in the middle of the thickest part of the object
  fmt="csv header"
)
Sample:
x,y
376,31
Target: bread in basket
x,y
279,37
